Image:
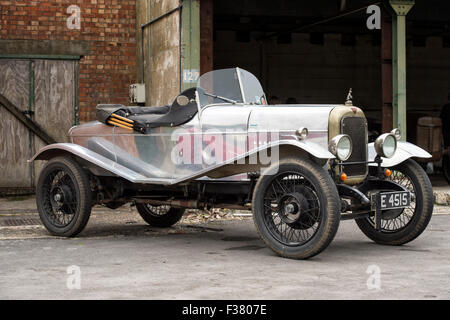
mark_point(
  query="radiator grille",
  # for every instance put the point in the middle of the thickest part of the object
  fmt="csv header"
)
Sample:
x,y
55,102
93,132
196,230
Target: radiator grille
x,y
356,128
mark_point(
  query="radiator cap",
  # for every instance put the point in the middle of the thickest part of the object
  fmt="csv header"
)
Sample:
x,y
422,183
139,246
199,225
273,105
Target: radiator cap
x,y
349,101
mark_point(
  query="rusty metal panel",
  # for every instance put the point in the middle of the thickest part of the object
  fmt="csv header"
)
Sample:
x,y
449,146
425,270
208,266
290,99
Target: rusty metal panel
x,y
14,136
54,104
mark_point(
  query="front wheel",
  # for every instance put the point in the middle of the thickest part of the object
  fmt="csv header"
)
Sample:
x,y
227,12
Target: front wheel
x,y
296,208
162,216
402,226
63,197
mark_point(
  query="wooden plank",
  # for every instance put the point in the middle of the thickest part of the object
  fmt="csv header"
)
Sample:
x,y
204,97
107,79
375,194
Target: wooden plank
x,y
54,101
39,56
14,138
29,124
54,97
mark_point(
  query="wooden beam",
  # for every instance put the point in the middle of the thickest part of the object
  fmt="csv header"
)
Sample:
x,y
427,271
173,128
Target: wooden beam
x,y
30,124
206,36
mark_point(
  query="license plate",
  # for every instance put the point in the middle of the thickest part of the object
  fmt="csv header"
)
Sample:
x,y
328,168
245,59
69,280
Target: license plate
x,y
391,200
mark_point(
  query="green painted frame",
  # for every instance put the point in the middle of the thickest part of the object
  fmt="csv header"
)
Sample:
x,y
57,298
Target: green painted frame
x,y
190,41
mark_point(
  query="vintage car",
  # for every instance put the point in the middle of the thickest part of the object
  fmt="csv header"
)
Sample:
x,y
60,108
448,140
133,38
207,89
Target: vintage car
x,y
299,168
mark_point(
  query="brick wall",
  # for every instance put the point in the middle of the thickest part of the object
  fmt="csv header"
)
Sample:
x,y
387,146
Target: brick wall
x,y
109,26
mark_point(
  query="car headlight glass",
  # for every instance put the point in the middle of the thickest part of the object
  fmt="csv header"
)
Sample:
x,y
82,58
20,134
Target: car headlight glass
x,y
386,145
341,147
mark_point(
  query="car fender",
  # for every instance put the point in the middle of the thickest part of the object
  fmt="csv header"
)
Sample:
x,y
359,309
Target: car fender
x,y
405,151
62,149
312,148
113,167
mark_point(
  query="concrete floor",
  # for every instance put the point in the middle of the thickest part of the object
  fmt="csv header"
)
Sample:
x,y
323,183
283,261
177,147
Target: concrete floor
x,y
126,259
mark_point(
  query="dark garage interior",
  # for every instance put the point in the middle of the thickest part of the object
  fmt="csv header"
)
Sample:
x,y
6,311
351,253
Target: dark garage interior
x,y
314,51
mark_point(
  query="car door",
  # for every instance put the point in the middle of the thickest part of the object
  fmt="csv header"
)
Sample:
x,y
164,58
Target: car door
x,y
224,132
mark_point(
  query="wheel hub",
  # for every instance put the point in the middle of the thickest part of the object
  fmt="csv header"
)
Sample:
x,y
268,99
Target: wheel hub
x,y
291,206
61,195
296,210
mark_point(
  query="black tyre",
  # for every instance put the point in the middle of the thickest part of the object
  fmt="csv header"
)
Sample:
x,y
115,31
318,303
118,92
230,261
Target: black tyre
x,y
159,216
296,208
401,226
63,197
446,167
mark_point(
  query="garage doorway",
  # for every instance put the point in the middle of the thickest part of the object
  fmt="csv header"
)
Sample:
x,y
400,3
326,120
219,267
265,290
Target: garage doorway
x,y
314,51
46,91
297,51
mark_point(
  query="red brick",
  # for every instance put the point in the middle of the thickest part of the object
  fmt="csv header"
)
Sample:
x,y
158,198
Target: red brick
x,y
106,73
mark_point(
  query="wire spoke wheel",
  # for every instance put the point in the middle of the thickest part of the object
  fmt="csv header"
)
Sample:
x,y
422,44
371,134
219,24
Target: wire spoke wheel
x,y
60,200
158,211
397,219
162,216
296,208
400,226
63,197
292,209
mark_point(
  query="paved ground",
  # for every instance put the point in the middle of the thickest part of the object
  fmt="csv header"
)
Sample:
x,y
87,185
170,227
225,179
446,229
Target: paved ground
x,y
121,257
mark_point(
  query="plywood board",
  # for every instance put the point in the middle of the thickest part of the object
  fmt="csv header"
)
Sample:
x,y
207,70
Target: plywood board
x,y
14,136
54,101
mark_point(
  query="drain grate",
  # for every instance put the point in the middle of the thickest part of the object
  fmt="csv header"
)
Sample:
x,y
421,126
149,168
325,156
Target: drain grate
x,y
20,222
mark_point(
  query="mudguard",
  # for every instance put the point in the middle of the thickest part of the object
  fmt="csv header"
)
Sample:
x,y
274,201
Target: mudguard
x,y
58,149
405,151
137,171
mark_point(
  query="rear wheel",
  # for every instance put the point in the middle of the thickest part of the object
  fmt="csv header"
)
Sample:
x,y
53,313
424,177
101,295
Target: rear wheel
x,y
63,197
401,226
159,216
296,209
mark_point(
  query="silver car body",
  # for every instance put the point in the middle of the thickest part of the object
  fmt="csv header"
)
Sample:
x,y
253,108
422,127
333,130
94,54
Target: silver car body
x,y
246,129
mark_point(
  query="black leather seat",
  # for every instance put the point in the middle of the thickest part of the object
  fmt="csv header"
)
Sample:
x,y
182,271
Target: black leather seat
x,y
151,117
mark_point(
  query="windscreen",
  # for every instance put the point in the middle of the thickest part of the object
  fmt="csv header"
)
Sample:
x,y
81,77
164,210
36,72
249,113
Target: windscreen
x,y
229,86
